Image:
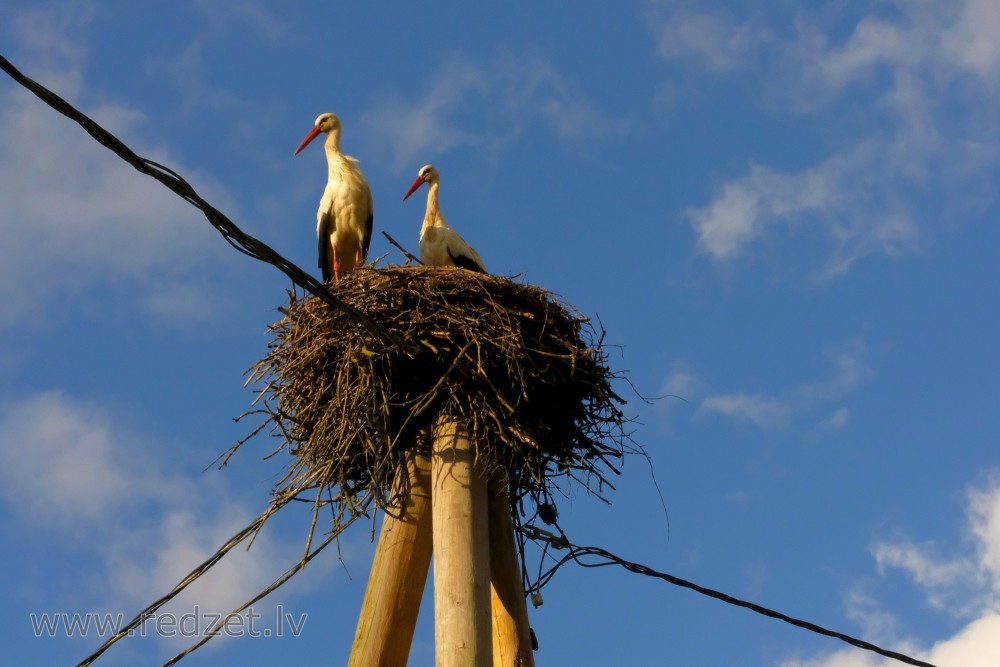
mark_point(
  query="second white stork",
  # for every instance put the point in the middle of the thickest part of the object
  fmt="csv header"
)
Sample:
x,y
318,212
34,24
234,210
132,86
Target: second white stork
x,y
344,218
440,245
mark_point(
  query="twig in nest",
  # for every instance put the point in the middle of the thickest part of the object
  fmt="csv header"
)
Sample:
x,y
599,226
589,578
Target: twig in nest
x,y
403,250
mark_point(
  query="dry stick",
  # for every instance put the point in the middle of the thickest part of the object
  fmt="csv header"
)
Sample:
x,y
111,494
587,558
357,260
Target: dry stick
x,y
461,551
511,632
403,250
399,574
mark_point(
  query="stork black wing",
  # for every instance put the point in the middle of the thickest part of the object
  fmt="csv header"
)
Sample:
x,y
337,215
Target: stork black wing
x,y
367,241
323,237
466,262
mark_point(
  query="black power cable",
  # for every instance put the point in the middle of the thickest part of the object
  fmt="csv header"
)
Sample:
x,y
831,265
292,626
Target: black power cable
x,y
605,558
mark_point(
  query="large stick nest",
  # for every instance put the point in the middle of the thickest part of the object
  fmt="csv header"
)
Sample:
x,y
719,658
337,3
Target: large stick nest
x,y
524,373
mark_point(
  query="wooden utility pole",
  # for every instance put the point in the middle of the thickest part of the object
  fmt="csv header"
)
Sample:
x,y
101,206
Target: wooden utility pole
x,y
399,574
511,632
461,551
448,508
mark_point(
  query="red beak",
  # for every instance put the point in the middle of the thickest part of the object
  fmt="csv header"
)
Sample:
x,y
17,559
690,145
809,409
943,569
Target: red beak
x,y
313,133
413,188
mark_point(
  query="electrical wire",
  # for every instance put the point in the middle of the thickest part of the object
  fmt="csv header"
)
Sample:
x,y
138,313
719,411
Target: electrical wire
x,y
605,558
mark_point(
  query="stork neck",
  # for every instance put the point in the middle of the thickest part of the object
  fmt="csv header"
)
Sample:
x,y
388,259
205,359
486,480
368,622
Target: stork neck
x,y
433,215
332,143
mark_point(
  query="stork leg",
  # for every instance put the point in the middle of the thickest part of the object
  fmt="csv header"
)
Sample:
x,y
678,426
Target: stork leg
x,y
336,263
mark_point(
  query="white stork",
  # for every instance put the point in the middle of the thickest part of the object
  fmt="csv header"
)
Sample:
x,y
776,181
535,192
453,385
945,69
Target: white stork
x,y
440,245
344,218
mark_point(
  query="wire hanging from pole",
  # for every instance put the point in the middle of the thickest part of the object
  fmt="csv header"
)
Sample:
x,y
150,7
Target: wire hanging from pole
x,y
605,558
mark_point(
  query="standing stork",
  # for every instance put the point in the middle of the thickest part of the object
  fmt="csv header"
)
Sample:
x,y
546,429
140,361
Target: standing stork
x,y
440,245
344,218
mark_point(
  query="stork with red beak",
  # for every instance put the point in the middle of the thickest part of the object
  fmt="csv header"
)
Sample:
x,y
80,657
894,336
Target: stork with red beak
x,y
344,218
440,245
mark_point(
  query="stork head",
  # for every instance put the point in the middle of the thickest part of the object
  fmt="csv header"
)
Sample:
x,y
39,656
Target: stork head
x,y
327,123
427,174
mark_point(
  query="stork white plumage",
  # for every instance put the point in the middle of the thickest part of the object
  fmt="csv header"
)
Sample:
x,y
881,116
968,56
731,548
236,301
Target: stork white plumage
x,y
344,218
440,245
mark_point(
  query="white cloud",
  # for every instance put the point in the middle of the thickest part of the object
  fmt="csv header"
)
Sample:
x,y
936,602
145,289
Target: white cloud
x,y
234,17
762,411
837,420
984,507
850,371
149,561
411,130
766,411
879,625
518,90
730,222
69,467
972,39
186,71
927,570
832,197
682,382
977,645
907,95
59,459
714,39
874,42
76,216
532,84
964,585
41,35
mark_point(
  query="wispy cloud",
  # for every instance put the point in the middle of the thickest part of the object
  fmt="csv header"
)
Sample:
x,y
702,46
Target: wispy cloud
x,y
69,467
237,17
906,93
972,41
777,410
518,91
75,215
682,382
408,129
879,625
833,198
59,460
928,570
836,421
762,411
963,584
713,39
849,372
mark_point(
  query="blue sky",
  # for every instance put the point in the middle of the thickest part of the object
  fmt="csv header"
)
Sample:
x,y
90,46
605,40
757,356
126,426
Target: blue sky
x,y
784,215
